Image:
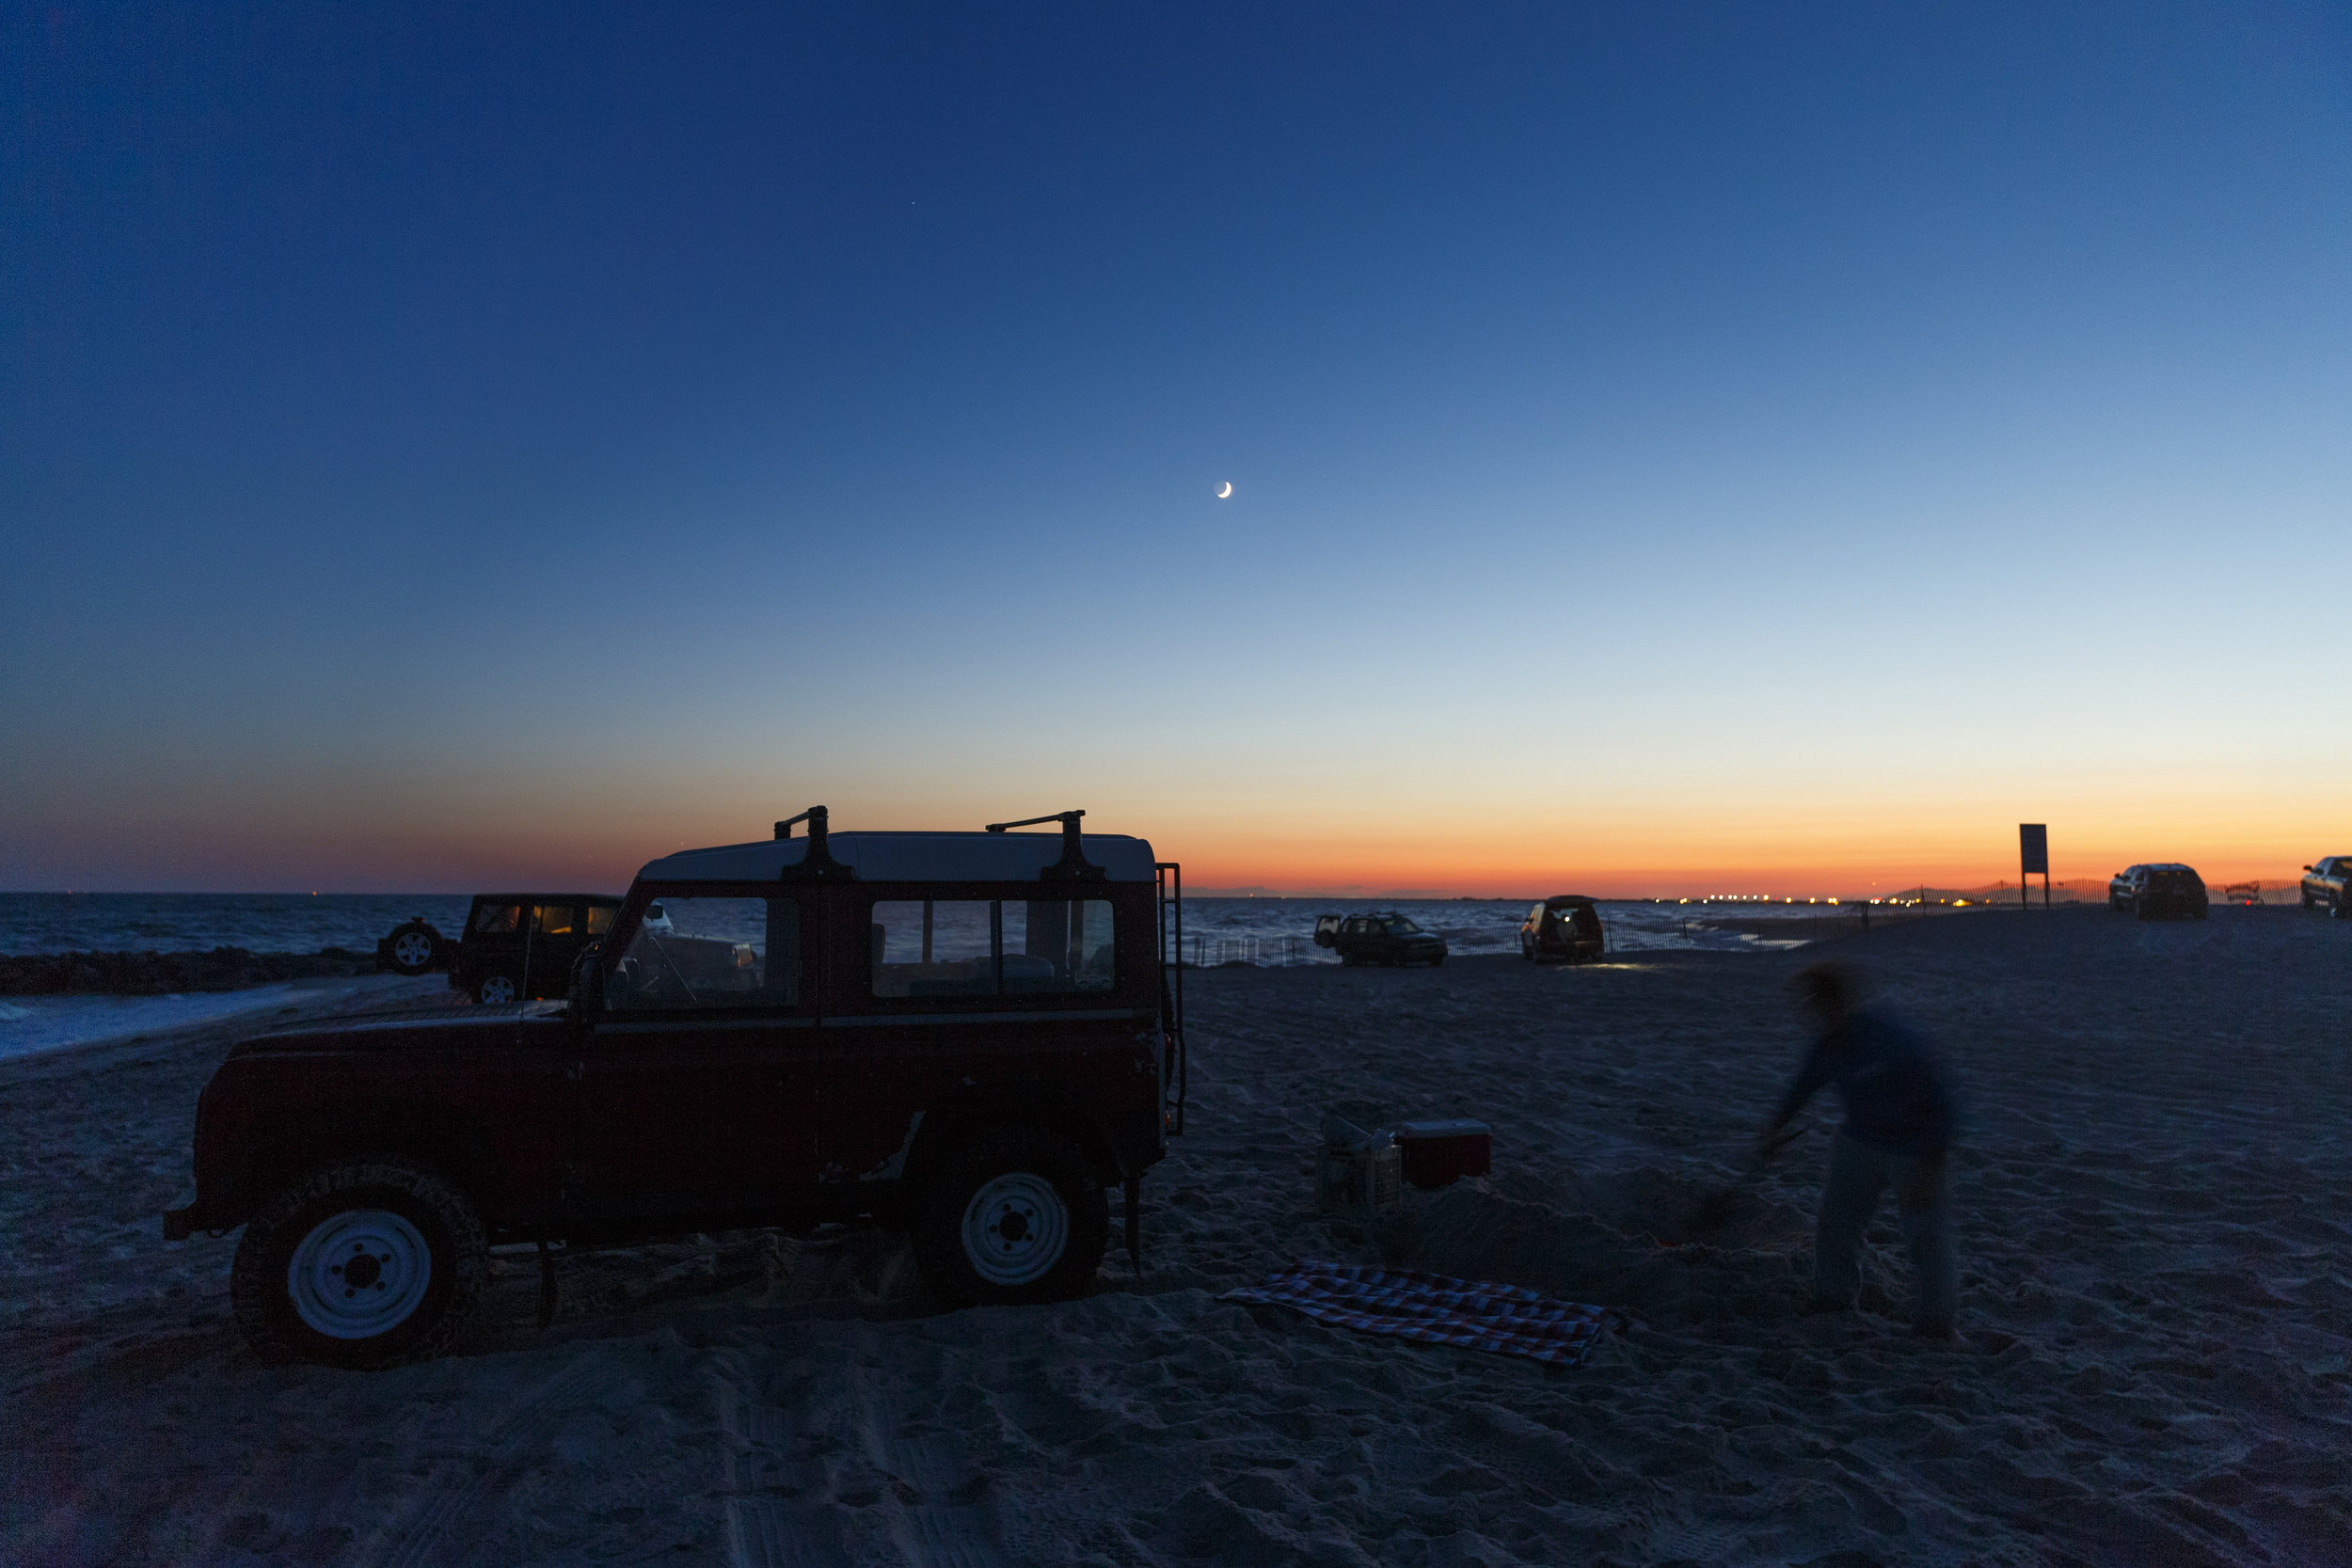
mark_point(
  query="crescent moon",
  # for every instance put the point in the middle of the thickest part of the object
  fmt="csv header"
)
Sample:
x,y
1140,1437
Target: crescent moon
x,y
1225,490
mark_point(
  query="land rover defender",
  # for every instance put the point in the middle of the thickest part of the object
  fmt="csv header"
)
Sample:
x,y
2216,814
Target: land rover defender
x,y
968,1035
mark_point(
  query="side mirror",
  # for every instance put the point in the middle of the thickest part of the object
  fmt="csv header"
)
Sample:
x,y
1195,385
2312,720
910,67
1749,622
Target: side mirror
x,y
587,993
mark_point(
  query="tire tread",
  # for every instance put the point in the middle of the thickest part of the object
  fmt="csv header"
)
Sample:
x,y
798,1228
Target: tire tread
x,y
257,1289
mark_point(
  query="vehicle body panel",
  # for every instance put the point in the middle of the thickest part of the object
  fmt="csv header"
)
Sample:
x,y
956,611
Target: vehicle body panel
x,y
487,1098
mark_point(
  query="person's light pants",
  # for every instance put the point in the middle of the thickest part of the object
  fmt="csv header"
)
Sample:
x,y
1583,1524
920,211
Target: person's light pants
x,y
1858,1175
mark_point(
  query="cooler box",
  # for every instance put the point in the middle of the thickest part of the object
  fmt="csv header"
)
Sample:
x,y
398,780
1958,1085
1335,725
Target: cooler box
x,y
1438,1153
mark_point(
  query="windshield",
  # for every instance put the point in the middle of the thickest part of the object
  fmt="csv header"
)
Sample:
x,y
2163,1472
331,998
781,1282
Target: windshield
x,y
1399,926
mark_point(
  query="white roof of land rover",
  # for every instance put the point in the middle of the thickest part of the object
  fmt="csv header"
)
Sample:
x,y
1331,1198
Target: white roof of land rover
x,y
909,858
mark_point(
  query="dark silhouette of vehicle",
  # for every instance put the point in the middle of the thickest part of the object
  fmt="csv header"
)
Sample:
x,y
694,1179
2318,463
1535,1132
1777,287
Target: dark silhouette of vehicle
x,y
416,947
966,1035
1380,937
1565,925
2161,890
2324,885
520,945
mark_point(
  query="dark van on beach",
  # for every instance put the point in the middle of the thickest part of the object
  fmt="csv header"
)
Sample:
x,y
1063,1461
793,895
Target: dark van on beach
x,y
1565,925
2160,891
967,1035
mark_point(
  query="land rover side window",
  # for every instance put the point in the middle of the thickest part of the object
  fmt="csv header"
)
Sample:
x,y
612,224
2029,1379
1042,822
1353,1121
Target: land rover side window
x,y
498,920
554,920
711,953
600,919
924,948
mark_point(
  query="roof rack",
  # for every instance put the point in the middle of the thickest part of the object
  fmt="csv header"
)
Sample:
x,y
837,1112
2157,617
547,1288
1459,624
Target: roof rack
x,y
1073,866
818,864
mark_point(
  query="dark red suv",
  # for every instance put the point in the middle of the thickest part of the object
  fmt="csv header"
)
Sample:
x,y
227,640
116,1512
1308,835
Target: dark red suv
x,y
969,1036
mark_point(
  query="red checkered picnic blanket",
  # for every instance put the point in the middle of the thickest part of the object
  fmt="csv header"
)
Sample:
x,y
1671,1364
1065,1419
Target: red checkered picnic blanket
x,y
1507,1319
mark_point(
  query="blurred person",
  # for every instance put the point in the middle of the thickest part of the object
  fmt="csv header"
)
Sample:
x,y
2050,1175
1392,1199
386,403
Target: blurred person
x,y
1897,1133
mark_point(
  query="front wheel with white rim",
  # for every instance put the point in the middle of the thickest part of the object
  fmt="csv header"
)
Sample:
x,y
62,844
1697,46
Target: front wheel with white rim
x,y
1016,1214
360,1264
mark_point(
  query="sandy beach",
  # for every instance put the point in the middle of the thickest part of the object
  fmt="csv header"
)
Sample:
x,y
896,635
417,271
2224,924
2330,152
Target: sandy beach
x,y
2153,1198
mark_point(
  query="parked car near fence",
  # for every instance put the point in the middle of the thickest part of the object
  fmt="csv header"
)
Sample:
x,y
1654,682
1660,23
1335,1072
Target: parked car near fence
x,y
2158,890
2324,885
1382,937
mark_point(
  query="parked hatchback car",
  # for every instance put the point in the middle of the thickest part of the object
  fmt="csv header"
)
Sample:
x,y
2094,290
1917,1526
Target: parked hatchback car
x,y
2324,885
1381,937
518,945
965,1035
2164,889
1565,925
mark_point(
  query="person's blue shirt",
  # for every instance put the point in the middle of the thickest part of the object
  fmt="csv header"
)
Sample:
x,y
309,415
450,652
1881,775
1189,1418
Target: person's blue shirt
x,y
1896,1096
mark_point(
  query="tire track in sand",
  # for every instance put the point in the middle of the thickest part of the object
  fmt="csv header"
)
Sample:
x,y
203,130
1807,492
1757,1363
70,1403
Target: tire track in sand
x,y
842,1469
517,1438
779,1494
942,1519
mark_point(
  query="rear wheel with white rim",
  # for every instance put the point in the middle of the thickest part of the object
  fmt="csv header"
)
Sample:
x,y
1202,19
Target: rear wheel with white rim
x,y
1015,1215
360,1264
495,989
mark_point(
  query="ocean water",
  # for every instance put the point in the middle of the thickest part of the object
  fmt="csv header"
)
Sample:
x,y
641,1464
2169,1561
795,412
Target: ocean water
x,y
1217,930
199,922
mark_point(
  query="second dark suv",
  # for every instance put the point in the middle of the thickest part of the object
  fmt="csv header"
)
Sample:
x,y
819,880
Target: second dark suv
x,y
2157,891
1382,937
523,945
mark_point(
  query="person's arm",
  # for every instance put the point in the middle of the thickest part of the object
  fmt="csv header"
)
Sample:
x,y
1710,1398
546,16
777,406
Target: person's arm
x,y
1808,1081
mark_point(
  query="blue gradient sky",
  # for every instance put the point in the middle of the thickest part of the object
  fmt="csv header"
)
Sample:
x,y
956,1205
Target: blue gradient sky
x,y
1676,448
